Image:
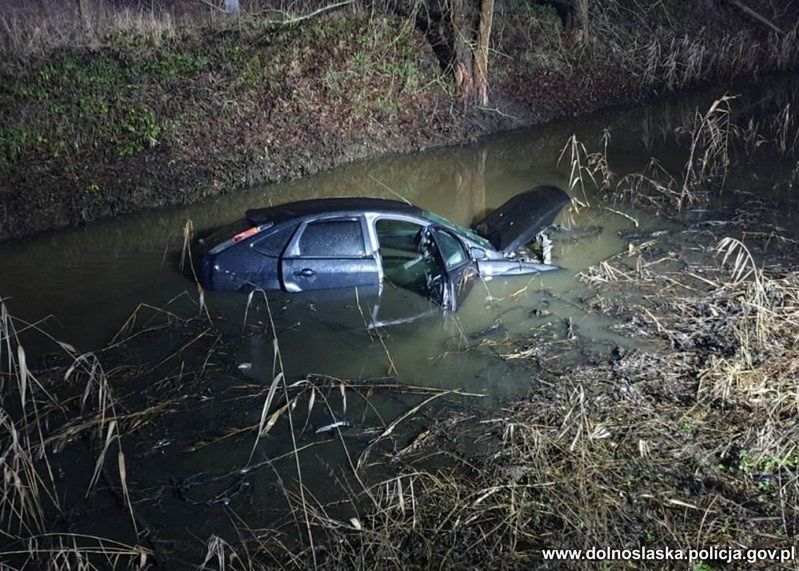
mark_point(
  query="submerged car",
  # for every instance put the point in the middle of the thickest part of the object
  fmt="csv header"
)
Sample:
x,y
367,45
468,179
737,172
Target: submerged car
x,y
368,242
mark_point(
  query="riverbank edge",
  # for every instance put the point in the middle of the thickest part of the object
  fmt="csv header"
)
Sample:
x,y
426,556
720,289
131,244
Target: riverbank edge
x,y
66,192
42,218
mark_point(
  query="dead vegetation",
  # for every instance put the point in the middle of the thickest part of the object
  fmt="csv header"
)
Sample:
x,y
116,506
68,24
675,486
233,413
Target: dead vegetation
x,y
36,28
692,443
718,141
75,403
29,498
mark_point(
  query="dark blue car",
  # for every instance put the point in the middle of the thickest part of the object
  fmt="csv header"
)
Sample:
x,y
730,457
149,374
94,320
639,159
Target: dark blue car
x,y
374,243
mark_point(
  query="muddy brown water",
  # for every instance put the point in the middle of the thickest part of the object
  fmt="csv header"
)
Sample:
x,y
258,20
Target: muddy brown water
x,y
88,280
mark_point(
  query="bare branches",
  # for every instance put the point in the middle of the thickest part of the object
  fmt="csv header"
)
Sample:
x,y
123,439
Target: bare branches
x,y
290,20
756,15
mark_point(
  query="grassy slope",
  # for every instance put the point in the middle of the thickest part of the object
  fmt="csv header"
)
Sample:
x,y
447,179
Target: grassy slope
x,y
144,121
138,125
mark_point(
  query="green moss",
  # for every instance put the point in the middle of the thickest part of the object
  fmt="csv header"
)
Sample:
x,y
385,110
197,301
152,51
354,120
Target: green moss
x,y
178,65
251,72
16,141
768,463
138,130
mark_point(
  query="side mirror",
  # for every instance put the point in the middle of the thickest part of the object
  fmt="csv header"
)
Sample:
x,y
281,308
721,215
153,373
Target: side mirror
x,y
478,254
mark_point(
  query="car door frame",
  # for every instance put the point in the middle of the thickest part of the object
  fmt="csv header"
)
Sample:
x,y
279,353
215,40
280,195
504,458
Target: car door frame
x,y
371,219
455,290
462,277
292,252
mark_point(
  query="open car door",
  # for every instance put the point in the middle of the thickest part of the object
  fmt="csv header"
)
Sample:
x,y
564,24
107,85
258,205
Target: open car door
x,y
461,269
425,269
415,280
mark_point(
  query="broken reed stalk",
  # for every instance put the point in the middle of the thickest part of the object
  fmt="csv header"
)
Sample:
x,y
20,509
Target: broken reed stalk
x,y
709,156
391,427
97,383
714,139
187,257
342,389
30,491
126,333
598,164
578,164
24,488
280,378
78,551
374,331
653,186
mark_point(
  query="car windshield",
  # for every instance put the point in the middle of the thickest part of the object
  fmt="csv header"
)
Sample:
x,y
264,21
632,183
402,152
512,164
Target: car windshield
x,y
465,232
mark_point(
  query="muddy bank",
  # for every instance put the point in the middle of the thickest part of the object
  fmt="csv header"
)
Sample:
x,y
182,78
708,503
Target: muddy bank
x,y
685,442
210,429
200,110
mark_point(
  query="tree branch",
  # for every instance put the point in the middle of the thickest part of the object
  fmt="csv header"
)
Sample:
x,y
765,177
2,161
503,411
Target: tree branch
x,y
762,19
211,5
289,20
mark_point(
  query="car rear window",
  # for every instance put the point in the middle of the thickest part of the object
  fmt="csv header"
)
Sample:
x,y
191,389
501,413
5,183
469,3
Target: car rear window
x,y
225,233
332,239
275,241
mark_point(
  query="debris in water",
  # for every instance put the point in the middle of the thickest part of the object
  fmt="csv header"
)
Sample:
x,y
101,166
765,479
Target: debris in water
x,y
563,235
333,426
495,330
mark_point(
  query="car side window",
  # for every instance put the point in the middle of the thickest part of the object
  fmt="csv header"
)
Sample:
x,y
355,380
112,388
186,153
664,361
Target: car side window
x,y
398,238
275,242
332,239
452,249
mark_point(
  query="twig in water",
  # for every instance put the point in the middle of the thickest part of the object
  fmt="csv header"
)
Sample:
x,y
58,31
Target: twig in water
x,y
394,192
622,214
278,378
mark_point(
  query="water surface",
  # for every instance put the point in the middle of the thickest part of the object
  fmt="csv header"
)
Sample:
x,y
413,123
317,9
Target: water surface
x,y
88,280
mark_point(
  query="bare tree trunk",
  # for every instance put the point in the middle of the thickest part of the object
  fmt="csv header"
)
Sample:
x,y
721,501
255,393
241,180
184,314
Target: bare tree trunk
x,y
85,18
481,53
463,53
582,29
232,9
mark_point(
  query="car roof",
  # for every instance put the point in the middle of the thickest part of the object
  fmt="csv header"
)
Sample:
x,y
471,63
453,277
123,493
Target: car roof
x,y
307,208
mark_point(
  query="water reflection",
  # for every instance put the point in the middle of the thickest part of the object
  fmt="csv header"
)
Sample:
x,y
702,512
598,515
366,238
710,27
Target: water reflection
x,y
91,278
186,462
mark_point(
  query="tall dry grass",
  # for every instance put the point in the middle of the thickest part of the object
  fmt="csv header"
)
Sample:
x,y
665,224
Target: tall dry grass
x,y
717,141
27,487
643,35
31,423
37,27
711,137
34,28
733,327
667,449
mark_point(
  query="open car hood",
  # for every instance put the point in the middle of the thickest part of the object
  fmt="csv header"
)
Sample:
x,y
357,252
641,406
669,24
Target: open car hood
x,y
517,222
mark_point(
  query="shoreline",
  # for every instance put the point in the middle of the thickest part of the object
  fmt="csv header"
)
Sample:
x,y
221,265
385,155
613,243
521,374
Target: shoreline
x,y
208,111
